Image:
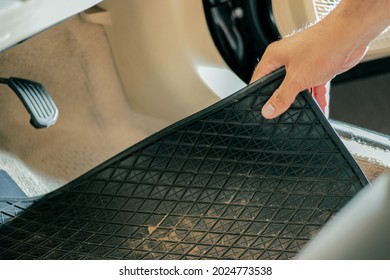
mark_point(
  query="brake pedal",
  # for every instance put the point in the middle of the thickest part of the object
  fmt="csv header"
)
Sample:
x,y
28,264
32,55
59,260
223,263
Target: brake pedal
x,y
36,99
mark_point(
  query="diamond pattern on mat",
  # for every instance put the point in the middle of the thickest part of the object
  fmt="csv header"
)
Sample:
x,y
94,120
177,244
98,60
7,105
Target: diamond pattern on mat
x,y
223,184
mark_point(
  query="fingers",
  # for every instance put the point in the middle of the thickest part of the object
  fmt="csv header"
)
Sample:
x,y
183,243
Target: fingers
x,y
269,62
274,58
319,94
281,99
284,96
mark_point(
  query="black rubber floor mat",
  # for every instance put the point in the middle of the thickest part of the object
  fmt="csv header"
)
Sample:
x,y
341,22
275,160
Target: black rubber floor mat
x,y
224,183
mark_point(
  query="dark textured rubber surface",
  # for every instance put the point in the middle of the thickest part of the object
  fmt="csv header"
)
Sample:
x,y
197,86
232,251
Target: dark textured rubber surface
x,y
224,183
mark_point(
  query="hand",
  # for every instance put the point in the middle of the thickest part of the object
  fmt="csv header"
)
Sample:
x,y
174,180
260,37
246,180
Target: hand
x,y
312,58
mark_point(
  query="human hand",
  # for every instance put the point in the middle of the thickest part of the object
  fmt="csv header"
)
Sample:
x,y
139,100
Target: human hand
x,y
312,58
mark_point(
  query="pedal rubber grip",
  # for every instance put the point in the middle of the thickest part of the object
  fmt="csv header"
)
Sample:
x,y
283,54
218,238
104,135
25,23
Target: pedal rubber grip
x,y
36,99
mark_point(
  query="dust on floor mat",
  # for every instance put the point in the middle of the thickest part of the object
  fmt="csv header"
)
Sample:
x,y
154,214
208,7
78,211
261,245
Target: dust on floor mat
x,y
73,60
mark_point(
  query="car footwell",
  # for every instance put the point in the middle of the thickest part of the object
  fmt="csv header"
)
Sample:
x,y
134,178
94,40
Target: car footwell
x,y
73,60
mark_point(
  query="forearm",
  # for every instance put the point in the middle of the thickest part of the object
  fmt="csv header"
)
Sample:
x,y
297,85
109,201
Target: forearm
x,y
361,20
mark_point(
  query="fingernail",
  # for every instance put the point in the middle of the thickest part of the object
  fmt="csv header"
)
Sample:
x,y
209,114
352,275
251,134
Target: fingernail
x,y
268,111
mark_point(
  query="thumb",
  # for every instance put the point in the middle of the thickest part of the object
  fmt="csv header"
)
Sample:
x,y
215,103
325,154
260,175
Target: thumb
x,y
281,99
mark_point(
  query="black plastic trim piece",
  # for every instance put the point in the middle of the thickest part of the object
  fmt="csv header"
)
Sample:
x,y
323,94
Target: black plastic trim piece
x,y
8,188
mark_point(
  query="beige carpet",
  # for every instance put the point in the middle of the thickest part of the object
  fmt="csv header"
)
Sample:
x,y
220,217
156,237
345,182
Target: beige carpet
x,y
73,60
